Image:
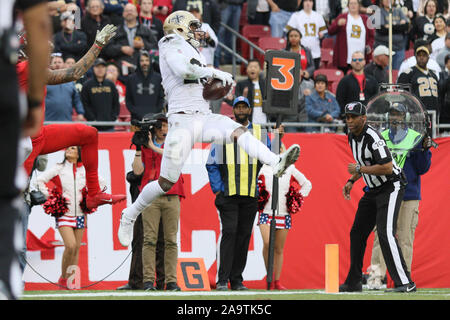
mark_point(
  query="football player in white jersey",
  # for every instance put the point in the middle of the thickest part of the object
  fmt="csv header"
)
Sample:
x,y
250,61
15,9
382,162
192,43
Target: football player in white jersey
x,y
190,120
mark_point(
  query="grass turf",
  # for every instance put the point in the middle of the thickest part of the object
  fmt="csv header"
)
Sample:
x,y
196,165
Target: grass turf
x,y
421,294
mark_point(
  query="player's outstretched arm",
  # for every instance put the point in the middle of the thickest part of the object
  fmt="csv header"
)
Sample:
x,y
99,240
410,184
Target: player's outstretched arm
x,y
82,66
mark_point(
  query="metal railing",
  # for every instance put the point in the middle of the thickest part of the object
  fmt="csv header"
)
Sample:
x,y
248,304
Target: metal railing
x,y
232,50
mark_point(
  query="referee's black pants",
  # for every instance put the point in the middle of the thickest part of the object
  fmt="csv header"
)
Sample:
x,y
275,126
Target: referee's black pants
x,y
237,215
10,128
378,207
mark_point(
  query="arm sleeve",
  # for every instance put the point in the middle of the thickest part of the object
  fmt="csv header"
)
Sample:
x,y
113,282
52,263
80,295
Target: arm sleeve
x,y
311,109
129,97
76,101
422,161
304,183
181,65
336,110
380,151
45,177
88,112
215,179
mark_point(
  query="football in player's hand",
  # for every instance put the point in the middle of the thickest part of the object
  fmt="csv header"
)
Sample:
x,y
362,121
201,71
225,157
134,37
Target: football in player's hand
x,y
214,89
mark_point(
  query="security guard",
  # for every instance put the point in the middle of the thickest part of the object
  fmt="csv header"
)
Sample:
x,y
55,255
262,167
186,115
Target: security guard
x,y
233,178
380,204
36,21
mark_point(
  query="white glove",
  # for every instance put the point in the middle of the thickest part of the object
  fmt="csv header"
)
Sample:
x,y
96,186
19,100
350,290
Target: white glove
x,y
105,35
224,76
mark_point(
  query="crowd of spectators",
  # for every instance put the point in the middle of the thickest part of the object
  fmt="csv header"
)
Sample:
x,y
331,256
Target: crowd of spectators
x,y
305,25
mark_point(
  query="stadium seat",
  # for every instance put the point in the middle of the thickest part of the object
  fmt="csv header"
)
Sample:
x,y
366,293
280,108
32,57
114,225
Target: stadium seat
x,y
409,53
253,32
334,86
327,43
326,58
269,43
124,116
243,19
226,110
333,75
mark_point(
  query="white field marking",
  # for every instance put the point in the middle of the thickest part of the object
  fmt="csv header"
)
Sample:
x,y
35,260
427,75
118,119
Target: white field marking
x,y
209,293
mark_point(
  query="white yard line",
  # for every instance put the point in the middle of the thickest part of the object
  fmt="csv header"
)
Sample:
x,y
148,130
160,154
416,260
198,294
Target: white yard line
x,y
203,293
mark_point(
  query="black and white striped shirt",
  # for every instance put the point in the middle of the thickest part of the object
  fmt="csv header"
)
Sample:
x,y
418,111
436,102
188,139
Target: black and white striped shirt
x,y
369,148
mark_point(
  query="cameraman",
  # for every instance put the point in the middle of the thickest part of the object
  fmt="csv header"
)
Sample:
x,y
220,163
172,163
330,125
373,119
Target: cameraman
x,y
147,162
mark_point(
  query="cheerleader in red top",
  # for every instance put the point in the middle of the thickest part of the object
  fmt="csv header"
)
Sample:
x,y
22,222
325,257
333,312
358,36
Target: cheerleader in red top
x,y
52,138
293,187
66,202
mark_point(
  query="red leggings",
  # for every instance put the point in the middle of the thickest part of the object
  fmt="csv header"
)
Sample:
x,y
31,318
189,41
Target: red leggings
x,y
56,137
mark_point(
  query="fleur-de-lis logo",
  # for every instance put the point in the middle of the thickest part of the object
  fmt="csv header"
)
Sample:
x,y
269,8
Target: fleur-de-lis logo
x,y
177,19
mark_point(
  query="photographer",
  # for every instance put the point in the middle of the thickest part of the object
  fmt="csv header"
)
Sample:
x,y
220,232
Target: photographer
x,y
149,141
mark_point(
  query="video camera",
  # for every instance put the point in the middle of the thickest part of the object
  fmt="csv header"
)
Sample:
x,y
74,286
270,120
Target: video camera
x,y
148,123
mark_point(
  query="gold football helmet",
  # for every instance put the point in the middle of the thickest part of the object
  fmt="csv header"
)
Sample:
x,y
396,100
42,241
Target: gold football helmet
x,y
185,24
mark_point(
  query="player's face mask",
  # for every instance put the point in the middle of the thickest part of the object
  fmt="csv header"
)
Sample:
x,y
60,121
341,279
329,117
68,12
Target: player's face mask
x,y
196,37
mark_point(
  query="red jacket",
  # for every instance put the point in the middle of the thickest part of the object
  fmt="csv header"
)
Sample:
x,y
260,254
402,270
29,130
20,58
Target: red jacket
x,y
152,165
340,45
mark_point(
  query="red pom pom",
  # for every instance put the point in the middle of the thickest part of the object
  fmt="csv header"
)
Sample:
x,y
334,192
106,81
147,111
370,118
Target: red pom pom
x,y
83,205
294,198
56,205
263,194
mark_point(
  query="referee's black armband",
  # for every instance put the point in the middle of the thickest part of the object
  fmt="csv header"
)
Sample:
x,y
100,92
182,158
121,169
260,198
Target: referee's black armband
x,y
350,180
33,103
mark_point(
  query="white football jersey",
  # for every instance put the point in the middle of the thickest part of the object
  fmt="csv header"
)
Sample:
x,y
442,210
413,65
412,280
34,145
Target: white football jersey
x,y
309,25
183,89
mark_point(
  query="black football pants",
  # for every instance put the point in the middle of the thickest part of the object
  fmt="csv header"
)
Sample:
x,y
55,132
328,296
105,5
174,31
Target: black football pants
x,y
380,208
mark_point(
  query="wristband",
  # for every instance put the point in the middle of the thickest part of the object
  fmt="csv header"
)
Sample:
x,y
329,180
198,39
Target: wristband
x,y
98,46
350,180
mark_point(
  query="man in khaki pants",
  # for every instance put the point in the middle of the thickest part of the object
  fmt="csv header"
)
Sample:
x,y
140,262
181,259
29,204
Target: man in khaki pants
x,y
400,139
147,161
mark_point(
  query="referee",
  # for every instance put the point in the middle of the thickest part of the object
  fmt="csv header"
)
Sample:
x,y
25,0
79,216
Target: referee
x,y
36,21
380,204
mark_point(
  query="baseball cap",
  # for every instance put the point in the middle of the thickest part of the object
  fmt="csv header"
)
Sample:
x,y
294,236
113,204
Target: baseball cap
x,y
355,108
423,48
99,61
241,99
320,77
399,107
379,50
160,116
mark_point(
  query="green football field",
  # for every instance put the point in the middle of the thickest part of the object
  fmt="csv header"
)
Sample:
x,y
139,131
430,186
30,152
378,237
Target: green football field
x,y
421,294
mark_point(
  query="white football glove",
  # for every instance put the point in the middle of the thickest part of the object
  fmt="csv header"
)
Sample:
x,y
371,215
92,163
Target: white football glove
x,y
224,76
105,35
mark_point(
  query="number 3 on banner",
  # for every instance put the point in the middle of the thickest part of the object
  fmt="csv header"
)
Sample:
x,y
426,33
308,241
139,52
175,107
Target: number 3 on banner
x,y
286,65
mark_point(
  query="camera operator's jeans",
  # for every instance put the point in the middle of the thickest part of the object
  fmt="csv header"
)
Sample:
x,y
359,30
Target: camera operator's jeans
x,y
166,207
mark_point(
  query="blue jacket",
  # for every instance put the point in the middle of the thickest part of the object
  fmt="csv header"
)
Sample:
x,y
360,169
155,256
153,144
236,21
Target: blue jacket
x,y
316,107
417,163
60,100
215,178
